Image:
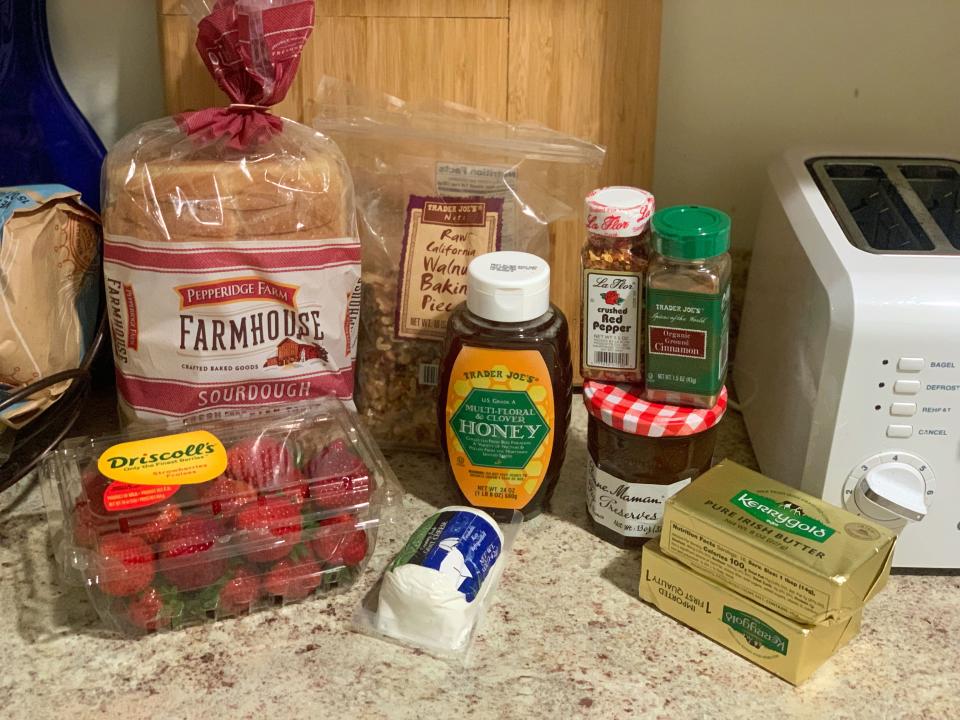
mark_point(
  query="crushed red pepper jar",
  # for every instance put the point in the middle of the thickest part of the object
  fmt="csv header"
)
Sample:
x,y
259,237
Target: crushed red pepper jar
x,y
641,453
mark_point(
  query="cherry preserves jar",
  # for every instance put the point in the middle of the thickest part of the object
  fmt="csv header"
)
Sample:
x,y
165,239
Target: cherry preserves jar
x,y
641,453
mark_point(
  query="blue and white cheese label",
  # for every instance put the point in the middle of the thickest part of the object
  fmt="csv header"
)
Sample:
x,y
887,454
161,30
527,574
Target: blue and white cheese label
x,y
459,543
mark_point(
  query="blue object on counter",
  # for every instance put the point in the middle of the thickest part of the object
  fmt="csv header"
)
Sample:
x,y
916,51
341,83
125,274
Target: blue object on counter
x,y
457,542
43,136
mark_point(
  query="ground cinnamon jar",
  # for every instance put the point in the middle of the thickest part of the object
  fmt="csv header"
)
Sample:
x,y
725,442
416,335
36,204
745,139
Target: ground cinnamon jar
x,y
641,453
613,261
688,306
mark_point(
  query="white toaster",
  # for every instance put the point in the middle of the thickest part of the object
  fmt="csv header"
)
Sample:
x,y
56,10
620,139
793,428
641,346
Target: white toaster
x,y
848,357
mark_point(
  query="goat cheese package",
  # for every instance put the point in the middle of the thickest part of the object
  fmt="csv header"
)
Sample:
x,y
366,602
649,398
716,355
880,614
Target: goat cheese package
x,y
798,555
433,592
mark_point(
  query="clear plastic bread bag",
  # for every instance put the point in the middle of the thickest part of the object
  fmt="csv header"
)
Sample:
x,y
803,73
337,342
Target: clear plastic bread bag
x,y
231,257
437,184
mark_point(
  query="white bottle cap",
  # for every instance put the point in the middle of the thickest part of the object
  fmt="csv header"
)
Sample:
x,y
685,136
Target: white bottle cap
x,y
508,286
619,211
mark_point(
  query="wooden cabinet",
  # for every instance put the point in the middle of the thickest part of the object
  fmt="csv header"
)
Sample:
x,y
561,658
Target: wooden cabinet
x,y
587,67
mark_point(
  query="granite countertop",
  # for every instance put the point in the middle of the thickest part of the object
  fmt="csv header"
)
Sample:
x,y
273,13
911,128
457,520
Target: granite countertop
x,y
565,637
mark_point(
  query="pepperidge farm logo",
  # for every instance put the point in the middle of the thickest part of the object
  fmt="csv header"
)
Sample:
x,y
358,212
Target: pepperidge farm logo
x,y
788,518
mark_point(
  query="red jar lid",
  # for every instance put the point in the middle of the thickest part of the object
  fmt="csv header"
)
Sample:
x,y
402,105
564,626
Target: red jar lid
x,y
621,407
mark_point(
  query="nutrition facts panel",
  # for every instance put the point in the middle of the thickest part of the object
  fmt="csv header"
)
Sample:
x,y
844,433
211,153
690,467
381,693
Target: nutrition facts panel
x,y
768,585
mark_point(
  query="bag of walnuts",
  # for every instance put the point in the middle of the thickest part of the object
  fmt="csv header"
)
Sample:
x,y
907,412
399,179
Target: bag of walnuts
x,y
231,258
437,185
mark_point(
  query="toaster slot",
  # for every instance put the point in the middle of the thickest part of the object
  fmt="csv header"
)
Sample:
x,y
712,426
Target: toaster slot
x,y
938,187
881,219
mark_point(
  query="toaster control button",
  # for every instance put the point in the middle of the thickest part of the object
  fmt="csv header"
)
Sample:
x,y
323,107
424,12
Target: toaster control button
x,y
899,431
906,387
903,409
910,364
895,489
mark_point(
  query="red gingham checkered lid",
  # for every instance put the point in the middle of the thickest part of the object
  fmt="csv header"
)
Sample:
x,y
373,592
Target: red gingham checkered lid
x,y
622,408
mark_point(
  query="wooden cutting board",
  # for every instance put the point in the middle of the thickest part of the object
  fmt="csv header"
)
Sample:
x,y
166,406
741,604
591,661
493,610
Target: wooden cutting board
x,y
586,67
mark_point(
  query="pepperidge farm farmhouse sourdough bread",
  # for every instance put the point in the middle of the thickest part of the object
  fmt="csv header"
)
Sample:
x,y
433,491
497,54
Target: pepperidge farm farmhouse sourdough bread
x,y
231,259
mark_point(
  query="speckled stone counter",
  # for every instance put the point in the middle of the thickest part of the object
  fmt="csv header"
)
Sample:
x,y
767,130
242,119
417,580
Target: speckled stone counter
x,y
566,637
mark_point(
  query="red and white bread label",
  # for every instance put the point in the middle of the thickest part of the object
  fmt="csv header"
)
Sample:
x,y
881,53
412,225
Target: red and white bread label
x,y
229,326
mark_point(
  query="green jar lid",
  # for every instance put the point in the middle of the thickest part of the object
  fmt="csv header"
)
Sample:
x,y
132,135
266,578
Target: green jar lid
x,y
689,232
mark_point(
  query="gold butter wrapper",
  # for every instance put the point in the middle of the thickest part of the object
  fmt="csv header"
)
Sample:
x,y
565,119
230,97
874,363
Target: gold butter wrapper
x,y
783,646
800,556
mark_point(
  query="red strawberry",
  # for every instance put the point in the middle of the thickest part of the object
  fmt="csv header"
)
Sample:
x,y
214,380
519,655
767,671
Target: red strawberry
x,y
226,497
124,565
145,610
293,488
337,477
339,542
187,553
85,524
94,485
263,462
239,592
91,519
152,525
88,512
293,579
272,526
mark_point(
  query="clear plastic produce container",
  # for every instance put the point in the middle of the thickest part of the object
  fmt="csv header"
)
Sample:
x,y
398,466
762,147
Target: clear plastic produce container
x,y
200,521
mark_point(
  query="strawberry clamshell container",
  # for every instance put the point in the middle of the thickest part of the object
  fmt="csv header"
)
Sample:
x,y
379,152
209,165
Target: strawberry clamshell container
x,y
183,524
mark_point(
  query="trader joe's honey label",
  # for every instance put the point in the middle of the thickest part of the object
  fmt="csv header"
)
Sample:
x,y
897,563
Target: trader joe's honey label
x,y
442,236
499,425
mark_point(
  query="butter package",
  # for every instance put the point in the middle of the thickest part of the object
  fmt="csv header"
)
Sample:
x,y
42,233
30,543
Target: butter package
x,y
800,556
783,646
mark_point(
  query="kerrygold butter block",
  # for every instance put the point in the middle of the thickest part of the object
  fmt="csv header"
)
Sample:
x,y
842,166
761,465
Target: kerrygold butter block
x,y
786,648
800,556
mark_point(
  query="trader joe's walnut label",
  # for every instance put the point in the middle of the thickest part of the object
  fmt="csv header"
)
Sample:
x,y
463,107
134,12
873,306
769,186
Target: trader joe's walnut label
x,y
231,325
499,425
442,236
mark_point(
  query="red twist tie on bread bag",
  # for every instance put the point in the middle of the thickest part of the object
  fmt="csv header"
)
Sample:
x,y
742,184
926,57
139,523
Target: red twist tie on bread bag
x,y
252,49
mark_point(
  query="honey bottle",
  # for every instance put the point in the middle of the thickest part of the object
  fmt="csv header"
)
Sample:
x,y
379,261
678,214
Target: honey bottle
x,y
505,387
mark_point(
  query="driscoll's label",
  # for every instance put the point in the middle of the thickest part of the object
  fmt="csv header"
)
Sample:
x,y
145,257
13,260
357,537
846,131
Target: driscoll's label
x,y
687,340
779,516
611,320
199,327
756,632
147,472
185,458
499,425
628,508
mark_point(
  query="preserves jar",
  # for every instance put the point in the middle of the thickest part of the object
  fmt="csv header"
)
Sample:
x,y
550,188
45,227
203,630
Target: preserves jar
x,y
506,386
688,306
641,453
613,262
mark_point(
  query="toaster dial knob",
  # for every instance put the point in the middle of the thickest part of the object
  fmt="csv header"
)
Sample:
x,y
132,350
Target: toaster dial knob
x,y
892,488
